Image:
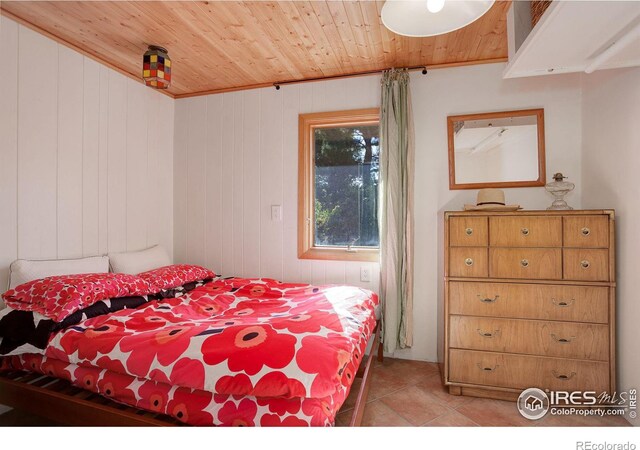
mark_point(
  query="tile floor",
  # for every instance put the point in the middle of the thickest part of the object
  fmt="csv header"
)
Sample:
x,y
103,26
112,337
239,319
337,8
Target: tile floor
x,y
409,393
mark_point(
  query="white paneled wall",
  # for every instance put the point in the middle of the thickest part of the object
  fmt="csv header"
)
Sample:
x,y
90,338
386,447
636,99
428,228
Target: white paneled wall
x,y
475,89
86,163
236,154
611,136
8,147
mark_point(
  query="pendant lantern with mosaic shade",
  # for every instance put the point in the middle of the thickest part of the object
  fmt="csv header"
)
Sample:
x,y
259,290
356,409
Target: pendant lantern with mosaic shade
x,y
156,68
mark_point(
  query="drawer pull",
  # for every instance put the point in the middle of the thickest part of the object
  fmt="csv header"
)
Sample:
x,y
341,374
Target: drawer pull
x,y
468,262
562,303
562,340
524,263
525,231
487,369
469,231
487,299
488,334
585,231
563,376
585,264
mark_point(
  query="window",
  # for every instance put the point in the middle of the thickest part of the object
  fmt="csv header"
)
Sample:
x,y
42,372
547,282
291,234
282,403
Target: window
x,y
338,185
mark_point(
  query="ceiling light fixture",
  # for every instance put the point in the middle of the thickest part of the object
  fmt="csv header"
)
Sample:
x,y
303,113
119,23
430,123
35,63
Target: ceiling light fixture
x,y
412,18
156,67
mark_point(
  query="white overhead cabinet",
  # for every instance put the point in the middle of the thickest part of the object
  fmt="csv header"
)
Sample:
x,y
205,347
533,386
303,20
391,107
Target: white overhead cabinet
x,y
573,36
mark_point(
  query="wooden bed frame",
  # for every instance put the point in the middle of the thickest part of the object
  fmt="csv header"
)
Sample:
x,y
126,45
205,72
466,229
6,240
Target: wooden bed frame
x,y
60,401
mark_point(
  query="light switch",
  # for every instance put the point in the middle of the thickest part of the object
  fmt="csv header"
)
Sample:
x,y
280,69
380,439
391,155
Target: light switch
x,y
276,213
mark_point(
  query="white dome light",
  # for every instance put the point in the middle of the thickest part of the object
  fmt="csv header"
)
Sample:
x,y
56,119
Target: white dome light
x,y
411,17
435,6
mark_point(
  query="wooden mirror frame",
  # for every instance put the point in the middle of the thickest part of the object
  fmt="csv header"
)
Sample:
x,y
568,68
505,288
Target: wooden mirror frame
x,y
542,175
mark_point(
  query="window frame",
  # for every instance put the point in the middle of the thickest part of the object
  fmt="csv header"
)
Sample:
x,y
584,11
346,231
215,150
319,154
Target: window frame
x,y
307,124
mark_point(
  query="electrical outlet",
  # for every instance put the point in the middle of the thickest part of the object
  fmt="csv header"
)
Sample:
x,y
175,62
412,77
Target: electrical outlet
x,y
365,274
276,213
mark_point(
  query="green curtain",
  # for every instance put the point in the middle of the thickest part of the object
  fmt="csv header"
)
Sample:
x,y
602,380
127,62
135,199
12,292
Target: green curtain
x,y
396,215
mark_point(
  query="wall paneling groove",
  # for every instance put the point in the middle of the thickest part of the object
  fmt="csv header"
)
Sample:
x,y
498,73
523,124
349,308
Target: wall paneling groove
x,y
248,151
235,156
86,155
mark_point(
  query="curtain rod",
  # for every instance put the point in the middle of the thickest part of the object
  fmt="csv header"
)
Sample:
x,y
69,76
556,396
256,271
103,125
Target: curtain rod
x,y
277,84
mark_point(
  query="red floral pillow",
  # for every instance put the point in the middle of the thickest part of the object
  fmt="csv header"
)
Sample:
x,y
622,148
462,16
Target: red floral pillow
x,y
170,277
60,296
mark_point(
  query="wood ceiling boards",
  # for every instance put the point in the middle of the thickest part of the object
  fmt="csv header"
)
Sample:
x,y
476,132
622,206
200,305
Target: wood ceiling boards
x,y
218,46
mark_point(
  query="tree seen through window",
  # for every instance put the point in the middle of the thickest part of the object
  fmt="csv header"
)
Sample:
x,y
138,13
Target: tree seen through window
x,y
346,186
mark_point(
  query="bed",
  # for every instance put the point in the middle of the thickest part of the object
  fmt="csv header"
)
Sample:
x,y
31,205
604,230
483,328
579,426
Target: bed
x,y
211,351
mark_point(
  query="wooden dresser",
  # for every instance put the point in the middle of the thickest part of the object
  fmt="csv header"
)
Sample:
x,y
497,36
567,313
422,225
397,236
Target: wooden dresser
x,y
529,302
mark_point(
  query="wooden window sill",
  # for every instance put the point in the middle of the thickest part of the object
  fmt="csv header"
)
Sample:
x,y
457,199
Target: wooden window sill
x,y
341,254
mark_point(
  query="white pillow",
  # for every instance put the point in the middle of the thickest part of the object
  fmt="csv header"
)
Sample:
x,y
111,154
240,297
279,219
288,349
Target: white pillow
x,y
139,261
24,270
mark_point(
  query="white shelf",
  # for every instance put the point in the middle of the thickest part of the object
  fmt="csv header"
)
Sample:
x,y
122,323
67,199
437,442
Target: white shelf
x,y
573,36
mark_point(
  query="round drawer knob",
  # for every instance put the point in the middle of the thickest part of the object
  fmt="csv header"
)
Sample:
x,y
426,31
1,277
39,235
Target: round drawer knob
x,y
524,263
585,231
469,231
525,231
585,264
468,262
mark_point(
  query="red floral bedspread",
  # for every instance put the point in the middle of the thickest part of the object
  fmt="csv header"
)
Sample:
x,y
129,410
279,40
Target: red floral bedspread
x,y
235,351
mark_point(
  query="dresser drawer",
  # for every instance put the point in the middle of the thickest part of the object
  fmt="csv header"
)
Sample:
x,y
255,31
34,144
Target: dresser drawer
x,y
469,231
525,231
586,264
526,263
531,337
521,372
530,301
586,231
468,262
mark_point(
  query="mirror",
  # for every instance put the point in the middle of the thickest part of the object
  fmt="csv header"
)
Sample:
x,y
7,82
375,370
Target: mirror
x,y
496,150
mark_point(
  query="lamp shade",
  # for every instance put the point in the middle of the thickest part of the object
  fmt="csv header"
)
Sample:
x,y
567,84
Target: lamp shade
x,y
414,18
156,67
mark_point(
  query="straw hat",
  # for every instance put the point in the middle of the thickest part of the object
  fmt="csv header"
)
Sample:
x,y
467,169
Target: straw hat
x,y
491,200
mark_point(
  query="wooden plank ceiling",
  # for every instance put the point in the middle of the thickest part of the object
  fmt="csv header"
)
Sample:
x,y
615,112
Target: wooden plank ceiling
x,y
226,45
